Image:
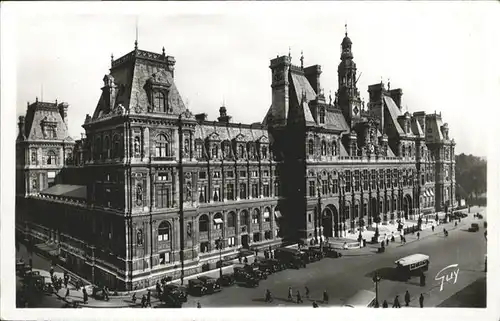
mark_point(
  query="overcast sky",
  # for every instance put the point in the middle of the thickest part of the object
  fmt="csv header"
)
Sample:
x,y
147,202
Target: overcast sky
x,y
440,54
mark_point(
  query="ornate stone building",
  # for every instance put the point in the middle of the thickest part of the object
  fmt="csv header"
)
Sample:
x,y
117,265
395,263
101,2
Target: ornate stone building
x,y
152,188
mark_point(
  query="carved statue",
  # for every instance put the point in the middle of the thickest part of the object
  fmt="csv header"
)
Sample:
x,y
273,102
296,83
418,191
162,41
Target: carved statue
x,y
138,195
137,145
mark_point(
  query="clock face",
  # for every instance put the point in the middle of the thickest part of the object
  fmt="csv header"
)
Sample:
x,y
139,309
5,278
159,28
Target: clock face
x,y
355,110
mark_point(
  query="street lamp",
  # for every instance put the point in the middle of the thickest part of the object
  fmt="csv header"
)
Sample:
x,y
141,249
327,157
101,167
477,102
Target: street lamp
x,y
376,278
219,246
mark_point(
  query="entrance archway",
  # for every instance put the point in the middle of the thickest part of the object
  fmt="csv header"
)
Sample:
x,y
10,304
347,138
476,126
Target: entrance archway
x,y
407,205
327,222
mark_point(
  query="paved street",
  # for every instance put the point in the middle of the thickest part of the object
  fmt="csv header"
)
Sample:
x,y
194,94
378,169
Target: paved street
x,y
343,277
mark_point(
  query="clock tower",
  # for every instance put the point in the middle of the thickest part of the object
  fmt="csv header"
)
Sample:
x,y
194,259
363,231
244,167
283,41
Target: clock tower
x,y
348,94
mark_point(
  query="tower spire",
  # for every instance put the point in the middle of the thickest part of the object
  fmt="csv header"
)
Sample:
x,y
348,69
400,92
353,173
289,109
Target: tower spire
x,y
345,29
136,33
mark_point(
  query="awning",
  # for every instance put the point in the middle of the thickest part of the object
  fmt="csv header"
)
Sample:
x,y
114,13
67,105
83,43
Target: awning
x,y
277,214
266,214
218,221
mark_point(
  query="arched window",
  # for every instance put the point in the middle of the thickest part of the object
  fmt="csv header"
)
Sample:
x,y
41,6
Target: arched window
x,y
107,148
311,147
159,101
322,115
244,218
256,216
231,219
161,146
203,223
334,148
51,158
187,148
218,221
116,146
139,237
215,151
34,157
323,148
264,152
267,214
164,231
226,149
241,151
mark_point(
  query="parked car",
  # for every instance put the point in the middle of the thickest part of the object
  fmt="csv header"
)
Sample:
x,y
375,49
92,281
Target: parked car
x,y
210,284
226,279
474,227
196,287
171,300
314,253
246,279
178,291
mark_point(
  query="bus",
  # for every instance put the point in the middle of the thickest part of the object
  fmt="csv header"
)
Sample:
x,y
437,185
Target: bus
x,y
410,265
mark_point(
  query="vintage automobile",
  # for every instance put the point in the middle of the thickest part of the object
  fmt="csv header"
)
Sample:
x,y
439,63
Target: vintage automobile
x,y
252,270
171,300
196,287
411,265
270,266
291,258
314,253
474,227
210,284
362,299
246,279
226,279
177,291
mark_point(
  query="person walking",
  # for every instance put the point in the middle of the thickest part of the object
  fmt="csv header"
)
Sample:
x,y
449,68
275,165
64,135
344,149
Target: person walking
x,y
149,298
134,298
158,289
432,228
385,304
144,301
315,305
407,298
299,298
67,293
387,242
198,305
268,296
418,235
421,300
325,297
396,302
85,296
307,292
290,294
51,271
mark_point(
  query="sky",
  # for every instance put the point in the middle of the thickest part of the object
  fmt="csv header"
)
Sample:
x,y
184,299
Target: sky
x,y
440,54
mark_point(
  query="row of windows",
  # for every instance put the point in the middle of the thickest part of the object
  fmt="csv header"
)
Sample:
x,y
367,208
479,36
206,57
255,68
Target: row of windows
x,y
214,151
229,194
326,149
50,157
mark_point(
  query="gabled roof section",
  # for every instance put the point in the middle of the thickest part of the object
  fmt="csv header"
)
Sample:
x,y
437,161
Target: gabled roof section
x,y
44,113
394,112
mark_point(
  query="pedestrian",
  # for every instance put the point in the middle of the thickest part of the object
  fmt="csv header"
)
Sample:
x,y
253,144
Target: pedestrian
x,y
65,282
290,296
51,271
384,304
315,305
432,228
149,297
345,246
134,298
307,292
393,239
67,292
421,300
31,262
396,302
407,298
325,297
387,242
198,305
268,296
144,301
299,298
404,239
85,296
418,235
158,289
401,236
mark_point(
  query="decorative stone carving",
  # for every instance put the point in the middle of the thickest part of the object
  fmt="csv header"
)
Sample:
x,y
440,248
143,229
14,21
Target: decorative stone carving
x,y
138,196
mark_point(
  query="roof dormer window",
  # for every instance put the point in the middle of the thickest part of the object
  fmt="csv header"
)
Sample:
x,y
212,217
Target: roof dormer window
x,y
321,115
159,102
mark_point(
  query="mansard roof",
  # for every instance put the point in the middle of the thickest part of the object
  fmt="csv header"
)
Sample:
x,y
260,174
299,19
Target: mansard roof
x,y
231,131
41,113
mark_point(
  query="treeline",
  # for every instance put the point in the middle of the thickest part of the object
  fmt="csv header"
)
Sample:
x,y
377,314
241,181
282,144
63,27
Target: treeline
x,y
470,176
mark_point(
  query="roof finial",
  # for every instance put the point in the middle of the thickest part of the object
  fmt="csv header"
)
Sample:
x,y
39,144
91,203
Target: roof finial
x,y
330,97
346,29
112,58
388,83
302,59
163,50
136,32
290,53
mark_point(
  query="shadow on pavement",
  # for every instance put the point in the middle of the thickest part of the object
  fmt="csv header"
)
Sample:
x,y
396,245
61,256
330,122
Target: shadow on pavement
x,y
387,273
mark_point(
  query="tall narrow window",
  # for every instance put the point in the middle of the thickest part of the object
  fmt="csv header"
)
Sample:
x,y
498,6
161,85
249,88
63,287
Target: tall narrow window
x,y
199,151
51,158
159,102
162,146
162,196
164,231
311,147
322,115
264,152
323,148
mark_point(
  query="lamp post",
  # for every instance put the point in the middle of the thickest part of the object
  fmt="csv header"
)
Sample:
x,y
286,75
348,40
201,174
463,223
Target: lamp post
x,y
376,278
219,246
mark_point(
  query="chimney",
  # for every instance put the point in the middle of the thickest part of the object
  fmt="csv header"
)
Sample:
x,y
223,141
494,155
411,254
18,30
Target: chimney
x,y
201,117
63,110
21,126
376,103
312,74
223,118
396,96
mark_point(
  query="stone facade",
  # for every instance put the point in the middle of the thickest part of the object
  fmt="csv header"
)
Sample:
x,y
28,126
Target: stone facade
x,y
152,188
